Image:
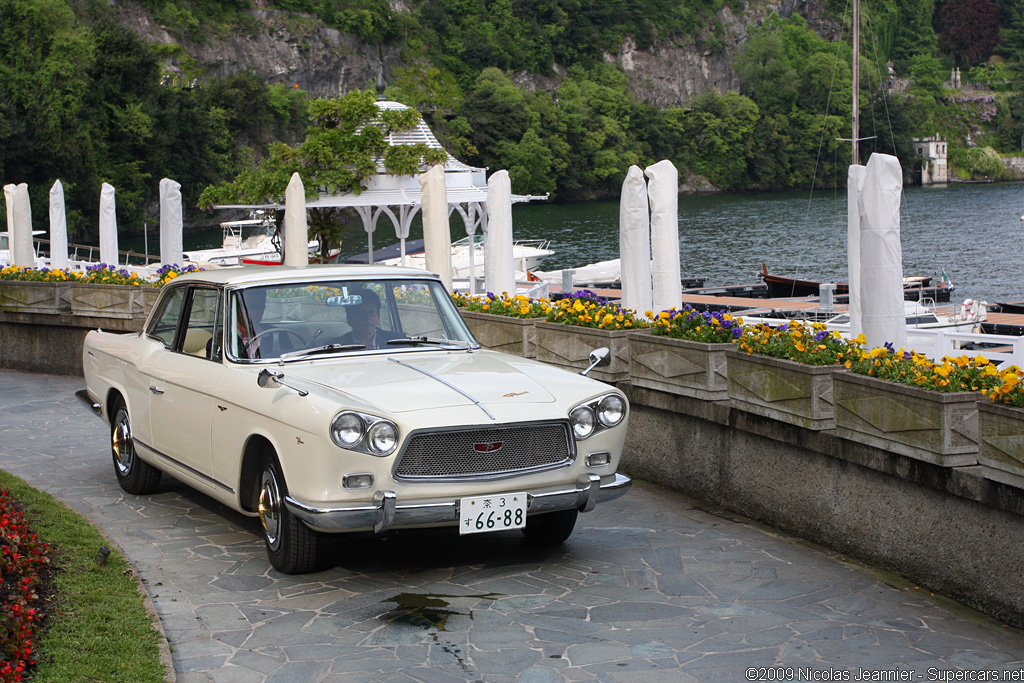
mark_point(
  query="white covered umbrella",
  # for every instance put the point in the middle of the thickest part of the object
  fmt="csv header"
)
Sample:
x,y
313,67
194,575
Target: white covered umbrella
x,y
635,243
881,269
663,194
296,231
108,226
499,263
437,236
19,225
171,223
854,181
58,228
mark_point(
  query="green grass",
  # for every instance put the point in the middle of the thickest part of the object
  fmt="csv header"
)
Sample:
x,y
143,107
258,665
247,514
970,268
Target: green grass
x,y
99,629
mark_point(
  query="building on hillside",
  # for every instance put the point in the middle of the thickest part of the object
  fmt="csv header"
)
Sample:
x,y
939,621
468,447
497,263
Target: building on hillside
x,y
930,167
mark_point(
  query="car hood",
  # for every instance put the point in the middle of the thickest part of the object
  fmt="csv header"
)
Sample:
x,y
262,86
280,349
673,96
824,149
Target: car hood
x,y
402,386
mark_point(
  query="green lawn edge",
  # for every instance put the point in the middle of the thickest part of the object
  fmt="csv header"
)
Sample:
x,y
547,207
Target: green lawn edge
x,y
100,629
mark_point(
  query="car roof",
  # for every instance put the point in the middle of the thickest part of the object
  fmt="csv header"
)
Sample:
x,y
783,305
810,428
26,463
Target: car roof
x,y
254,275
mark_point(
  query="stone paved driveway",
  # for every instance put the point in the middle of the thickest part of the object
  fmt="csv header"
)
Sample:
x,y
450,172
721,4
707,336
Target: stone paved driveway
x,y
650,588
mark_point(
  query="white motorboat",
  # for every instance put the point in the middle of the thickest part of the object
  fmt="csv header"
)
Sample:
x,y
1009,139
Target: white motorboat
x,y
526,255
252,240
925,316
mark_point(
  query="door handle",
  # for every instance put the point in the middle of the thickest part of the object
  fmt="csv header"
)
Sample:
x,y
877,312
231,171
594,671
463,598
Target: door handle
x,y
155,390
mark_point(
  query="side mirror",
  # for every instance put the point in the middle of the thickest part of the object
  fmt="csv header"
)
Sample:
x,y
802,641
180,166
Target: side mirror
x,y
598,358
268,377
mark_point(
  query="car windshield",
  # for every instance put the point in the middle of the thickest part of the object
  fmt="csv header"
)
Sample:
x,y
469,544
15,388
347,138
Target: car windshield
x,y
301,320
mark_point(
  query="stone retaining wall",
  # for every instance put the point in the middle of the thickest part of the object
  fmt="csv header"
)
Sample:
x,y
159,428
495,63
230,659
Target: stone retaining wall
x,y
34,342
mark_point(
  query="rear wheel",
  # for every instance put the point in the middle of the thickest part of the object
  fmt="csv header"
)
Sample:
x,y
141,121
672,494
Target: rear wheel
x,y
133,475
291,545
551,528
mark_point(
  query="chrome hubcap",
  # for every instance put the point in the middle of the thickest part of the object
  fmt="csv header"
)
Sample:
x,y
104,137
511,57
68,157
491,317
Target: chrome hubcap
x,y
121,443
270,508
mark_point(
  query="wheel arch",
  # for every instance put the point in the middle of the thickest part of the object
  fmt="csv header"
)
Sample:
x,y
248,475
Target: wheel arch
x,y
256,448
113,394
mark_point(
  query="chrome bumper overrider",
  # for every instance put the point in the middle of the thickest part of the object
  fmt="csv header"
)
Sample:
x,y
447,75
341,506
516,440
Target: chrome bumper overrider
x,y
387,512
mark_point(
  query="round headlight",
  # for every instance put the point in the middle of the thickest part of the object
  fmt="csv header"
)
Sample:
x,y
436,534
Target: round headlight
x,y
583,421
347,429
611,410
382,437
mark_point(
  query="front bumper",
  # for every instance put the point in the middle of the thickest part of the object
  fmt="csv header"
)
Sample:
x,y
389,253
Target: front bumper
x,y
386,512
83,396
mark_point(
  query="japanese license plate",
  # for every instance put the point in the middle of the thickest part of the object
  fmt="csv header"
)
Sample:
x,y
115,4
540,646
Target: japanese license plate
x,y
492,513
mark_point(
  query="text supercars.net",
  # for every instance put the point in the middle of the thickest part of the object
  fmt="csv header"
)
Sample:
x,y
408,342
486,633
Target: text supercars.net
x,y
790,673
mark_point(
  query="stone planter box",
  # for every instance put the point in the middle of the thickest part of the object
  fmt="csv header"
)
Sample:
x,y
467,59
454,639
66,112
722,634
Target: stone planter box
x,y
112,301
679,366
569,347
1001,442
783,390
926,425
517,336
48,298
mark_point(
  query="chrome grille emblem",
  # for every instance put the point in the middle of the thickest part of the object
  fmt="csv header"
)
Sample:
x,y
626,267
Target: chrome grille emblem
x,y
488,447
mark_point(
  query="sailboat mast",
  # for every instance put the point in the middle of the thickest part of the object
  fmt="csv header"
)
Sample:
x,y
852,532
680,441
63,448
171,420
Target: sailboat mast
x,y
855,158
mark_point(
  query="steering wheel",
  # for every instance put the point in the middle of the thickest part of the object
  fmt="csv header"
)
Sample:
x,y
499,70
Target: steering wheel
x,y
277,332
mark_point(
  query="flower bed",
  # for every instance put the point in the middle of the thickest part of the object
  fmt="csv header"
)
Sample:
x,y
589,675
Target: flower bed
x,y
685,353
785,373
809,343
710,328
97,274
22,558
517,306
583,308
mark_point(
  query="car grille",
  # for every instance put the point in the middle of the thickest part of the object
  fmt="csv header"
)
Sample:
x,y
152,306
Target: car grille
x,y
482,452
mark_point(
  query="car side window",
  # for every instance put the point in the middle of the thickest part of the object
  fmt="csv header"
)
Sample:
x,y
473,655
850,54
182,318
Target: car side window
x,y
201,328
165,323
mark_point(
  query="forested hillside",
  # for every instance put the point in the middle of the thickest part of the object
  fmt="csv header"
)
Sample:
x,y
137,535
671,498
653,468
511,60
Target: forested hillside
x,y
565,94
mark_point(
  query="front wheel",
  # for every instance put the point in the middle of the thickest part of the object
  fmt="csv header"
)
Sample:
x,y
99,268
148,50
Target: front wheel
x,y
133,475
291,545
550,528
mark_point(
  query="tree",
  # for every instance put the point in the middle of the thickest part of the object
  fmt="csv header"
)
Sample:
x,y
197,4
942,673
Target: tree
x,y
970,30
976,161
717,134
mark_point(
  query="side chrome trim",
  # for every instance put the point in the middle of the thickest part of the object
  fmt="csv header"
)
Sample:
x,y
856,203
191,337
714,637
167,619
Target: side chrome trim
x,y
83,396
191,470
386,511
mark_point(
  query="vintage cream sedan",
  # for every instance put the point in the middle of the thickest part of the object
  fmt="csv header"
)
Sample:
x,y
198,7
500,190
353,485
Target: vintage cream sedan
x,y
337,399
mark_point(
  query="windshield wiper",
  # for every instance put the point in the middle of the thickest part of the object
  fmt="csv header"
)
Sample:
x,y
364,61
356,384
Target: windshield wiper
x,y
430,341
326,348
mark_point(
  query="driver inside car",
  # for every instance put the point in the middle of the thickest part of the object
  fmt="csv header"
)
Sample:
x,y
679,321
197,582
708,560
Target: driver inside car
x,y
364,319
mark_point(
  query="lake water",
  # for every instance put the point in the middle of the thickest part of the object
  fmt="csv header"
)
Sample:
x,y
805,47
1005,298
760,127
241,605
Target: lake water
x,y
967,230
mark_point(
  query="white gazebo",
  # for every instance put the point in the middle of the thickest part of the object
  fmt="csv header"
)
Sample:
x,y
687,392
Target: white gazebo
x,y
398,196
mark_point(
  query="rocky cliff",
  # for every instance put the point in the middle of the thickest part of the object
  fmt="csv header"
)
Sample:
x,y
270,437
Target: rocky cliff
x,y
328,63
